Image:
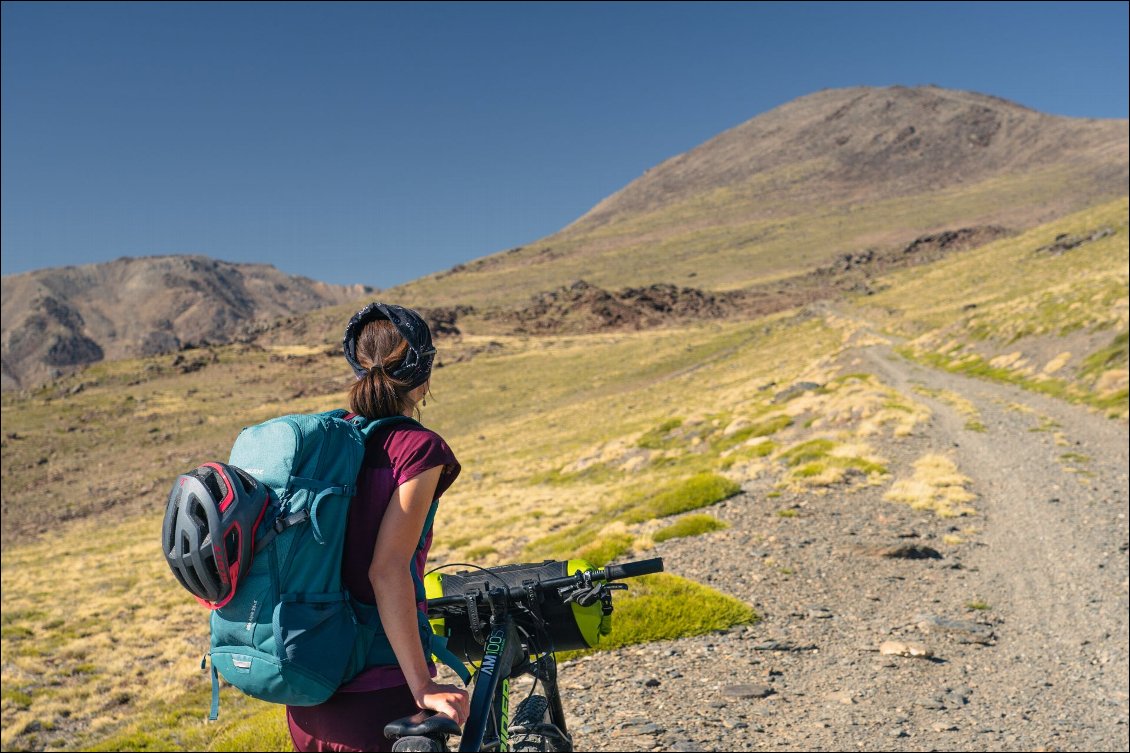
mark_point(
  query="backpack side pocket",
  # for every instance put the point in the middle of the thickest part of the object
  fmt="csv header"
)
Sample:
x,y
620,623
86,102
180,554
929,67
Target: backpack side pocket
x,y
314,641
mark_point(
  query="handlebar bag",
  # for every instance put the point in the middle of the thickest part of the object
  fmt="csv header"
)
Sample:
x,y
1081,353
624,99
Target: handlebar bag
x,y
570,625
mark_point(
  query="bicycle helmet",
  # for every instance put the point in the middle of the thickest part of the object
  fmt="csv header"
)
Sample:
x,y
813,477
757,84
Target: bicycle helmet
x,y
209,529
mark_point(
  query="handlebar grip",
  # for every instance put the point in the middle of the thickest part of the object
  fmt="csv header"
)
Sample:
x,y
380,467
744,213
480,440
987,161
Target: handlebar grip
x,y
634,569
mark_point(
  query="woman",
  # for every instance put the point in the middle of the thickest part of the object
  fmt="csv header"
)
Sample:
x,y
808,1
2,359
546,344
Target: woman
x,y
406,467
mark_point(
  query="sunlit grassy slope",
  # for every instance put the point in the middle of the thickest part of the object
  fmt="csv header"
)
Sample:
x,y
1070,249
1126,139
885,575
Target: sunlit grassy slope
x,y
100,644
604,435
588,444
735,237
1054,321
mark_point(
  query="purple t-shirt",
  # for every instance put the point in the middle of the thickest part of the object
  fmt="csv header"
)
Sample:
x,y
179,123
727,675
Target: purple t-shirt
x,y
392,457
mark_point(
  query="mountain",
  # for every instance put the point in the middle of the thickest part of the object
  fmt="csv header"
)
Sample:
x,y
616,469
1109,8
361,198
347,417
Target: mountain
x,y
752,220
55,320
838,171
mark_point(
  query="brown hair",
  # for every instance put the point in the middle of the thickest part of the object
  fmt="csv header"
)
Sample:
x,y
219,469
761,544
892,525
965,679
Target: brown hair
x,y
380,349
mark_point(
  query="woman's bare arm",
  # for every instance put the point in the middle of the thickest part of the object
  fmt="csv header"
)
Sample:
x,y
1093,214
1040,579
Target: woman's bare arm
x,y
392,583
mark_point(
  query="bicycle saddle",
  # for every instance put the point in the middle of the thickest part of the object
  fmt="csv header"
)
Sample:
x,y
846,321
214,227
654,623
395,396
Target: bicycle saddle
x,y
422,724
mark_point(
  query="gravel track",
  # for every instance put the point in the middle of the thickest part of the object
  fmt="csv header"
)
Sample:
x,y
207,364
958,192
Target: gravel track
x,y
1044,667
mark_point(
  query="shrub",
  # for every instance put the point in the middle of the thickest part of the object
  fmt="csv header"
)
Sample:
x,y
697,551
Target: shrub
x,y
691,525
697,491
662,606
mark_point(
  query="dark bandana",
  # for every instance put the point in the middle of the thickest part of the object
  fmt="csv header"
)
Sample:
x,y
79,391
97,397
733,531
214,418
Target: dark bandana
x,y
417,365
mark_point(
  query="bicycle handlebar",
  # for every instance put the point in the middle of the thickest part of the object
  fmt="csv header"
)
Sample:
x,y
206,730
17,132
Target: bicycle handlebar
x,y
634,569
612,572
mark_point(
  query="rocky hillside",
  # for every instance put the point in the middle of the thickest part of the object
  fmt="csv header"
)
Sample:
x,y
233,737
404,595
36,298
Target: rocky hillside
x,y
832,173
55,320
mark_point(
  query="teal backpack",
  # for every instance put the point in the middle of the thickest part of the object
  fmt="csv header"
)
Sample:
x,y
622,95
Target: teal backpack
x,y
291,633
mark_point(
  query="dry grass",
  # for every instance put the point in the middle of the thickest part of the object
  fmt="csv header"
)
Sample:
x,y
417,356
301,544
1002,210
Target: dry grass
x,y
1007,310
962,405
861,404
936,486
104,628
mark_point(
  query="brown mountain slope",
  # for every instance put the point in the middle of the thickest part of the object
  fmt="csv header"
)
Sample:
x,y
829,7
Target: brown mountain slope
x,y
859,144
834,172
55,320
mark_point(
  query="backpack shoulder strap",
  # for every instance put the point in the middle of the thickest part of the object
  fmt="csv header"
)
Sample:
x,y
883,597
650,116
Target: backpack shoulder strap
x,y
367,426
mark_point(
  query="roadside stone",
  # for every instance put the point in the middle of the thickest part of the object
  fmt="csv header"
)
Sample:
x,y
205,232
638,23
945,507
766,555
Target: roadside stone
x,y
910,552
898,648
756,690
783,646
796,390
632,729
966,630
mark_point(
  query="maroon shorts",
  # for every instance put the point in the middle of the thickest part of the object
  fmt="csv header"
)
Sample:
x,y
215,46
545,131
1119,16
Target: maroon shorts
x,y
349,721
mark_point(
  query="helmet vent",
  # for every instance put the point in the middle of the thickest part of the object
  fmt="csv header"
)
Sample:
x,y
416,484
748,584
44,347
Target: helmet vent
x,y
212,481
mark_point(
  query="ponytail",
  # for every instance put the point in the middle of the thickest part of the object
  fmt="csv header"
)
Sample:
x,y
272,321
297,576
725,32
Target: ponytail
x,y
377,394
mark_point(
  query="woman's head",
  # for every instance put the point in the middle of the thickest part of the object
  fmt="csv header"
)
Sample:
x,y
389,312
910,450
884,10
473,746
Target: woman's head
x,y
390,351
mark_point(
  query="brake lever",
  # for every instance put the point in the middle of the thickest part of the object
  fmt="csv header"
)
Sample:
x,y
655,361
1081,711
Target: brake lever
x,y
586,597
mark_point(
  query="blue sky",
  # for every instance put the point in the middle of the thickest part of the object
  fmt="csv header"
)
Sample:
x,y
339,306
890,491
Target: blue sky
x,y
376,143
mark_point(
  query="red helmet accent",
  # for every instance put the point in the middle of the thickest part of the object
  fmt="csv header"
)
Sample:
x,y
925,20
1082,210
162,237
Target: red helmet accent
x,y
209,531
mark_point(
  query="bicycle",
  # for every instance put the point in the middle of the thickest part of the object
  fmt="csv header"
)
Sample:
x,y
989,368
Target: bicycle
x,y
526,623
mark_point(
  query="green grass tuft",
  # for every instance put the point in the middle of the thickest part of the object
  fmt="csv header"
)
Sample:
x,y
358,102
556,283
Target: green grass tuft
x,y
760,429
604,550
806,452
16,696
585,538
662,607
809,470
658,438
691,525
701,490
265,730
1110,357
15,632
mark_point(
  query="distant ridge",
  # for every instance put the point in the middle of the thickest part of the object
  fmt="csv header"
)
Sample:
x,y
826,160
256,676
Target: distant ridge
x,y
56,320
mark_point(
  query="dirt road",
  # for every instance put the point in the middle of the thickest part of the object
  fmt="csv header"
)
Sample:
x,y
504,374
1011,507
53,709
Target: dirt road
x,y
1026,621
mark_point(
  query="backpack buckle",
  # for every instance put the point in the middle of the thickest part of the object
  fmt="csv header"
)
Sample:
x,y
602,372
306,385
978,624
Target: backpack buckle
x,y
281,524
